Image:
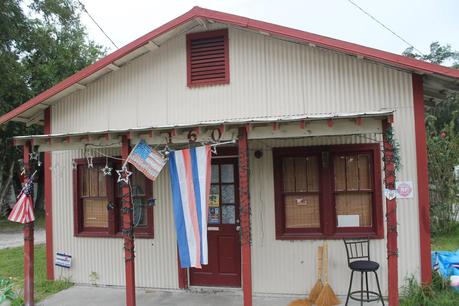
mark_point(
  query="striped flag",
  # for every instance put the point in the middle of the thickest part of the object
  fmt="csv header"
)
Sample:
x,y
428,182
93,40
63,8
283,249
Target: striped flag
x,y
146,160
23,209
190,184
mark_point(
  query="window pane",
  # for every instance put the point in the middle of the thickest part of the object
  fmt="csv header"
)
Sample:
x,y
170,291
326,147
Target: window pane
x,y
352,172
227,173
84,181
139,212
214,196
228,214
214,174
313,173
302,211
102,184
93,182
138,183
364,172
95,213
288,166
228,194
339,164
355,204
300,174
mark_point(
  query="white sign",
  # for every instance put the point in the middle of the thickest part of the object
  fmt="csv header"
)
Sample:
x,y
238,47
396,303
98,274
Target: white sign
x,y
348,220
404,189
63,260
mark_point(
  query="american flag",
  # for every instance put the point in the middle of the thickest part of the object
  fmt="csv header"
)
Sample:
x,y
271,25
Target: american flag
x,y
146,160
23,209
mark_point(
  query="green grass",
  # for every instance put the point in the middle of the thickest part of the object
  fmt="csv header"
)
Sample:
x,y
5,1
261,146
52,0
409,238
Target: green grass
x,y
12,265
446,242
8,226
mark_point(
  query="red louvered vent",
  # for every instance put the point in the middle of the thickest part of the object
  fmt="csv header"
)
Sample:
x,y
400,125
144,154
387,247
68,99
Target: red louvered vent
x,y
207,58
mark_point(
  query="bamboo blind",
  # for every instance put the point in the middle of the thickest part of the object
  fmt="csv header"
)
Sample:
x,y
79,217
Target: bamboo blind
x,y
95,213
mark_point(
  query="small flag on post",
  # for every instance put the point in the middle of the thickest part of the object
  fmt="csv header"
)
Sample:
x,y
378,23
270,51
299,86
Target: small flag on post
x,y
23,209
146,160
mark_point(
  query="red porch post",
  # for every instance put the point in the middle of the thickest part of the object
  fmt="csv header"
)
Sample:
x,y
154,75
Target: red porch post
x,y
391,217
245,217
48,201
28,241
423,179
128,232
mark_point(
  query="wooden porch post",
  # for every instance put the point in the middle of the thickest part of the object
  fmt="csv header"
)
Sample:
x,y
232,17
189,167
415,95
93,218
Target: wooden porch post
x,y
391,217
128,232
28,241
246,238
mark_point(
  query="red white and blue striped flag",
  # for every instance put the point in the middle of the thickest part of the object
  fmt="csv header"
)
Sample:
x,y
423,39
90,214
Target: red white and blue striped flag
x,y
146,160
23,209
190,184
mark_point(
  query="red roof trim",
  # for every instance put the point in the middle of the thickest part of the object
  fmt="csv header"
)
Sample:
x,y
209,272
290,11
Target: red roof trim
x,y
323,41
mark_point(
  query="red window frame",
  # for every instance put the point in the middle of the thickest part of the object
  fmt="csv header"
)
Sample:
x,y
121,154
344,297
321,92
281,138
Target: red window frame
x,y
114,224
328,228
209,34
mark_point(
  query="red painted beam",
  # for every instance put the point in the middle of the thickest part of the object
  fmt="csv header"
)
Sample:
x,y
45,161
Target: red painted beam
x,y
128,231
28,242
391,219
48,202
245,217
423,179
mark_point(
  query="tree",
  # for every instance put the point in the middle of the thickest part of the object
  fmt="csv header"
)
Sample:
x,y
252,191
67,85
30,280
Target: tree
x,y
40,44
442,127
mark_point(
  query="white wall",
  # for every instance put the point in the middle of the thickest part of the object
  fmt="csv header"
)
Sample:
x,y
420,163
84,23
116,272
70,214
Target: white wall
x,y
268,77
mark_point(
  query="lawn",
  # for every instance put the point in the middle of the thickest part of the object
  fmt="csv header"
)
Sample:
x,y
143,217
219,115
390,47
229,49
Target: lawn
x,y
446,242
12,266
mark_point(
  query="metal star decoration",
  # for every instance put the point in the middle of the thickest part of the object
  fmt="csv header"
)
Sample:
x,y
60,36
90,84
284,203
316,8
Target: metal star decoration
x,y
90,163
123,175
106,170
33,155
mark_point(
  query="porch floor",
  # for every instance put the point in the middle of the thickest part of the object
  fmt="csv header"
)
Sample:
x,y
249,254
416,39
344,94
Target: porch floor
x,y
101,296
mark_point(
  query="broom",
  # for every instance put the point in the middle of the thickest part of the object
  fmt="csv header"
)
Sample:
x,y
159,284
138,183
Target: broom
x,y
327,297
315,291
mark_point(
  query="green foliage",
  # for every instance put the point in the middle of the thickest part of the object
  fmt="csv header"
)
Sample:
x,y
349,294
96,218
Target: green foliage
x,y
12,267
40,45
446,242
6,290
439,293
438,54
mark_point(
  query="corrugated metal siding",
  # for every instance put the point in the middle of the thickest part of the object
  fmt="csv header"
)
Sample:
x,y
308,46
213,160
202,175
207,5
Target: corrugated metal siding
x,y
156,259
268,77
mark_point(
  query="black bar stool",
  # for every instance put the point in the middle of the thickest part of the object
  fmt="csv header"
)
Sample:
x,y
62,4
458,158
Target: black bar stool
x,y
358,259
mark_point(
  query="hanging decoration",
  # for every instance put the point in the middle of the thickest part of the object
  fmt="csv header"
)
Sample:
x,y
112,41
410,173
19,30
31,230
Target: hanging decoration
x,y
34,155
106,170
23,209
146,160
190,184
123,175
392,147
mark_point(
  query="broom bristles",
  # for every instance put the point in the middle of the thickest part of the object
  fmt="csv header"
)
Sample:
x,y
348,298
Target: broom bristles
x,y
315,291
327,297
300,303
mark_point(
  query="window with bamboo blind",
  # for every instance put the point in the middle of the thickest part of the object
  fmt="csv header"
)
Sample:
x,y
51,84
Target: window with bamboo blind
x,y
207,58
328,191
97,201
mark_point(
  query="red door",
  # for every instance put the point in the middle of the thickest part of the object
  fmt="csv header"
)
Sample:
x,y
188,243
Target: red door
x,y
224,268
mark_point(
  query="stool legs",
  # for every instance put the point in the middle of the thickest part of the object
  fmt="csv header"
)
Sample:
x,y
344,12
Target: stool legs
x,y
366,280
361,288
350,287
379,288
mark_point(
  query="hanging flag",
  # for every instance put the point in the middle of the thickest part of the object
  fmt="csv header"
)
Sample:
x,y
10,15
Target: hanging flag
x,y
190,183
146,160
23,209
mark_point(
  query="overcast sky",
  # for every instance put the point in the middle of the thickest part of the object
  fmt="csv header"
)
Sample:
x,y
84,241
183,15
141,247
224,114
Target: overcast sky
x,y
420,22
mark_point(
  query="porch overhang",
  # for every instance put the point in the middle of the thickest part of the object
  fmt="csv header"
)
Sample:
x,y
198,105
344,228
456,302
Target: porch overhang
x,y
294,126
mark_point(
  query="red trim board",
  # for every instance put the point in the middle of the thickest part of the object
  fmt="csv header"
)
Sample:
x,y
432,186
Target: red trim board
x,y
423,179
265,27
48,202
28,242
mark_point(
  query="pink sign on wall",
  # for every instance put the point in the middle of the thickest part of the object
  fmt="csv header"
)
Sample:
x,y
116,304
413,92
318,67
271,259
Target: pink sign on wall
x,y
404,189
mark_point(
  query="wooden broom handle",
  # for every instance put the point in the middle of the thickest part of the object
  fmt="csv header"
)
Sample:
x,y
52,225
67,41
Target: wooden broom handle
x,y
320,256
326,261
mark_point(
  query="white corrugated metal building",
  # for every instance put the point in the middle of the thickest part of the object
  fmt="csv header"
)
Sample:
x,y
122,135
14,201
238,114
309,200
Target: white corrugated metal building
x,y
297,99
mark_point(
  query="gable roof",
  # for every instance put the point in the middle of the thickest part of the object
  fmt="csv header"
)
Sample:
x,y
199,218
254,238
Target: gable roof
x,y
39,102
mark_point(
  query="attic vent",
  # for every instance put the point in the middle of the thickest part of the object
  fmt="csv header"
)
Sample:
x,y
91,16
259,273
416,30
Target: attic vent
x,y
207,58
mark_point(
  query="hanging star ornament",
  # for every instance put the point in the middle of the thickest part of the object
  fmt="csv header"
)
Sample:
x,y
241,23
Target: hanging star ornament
x,y
33,155
90,162
123,175
106,170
